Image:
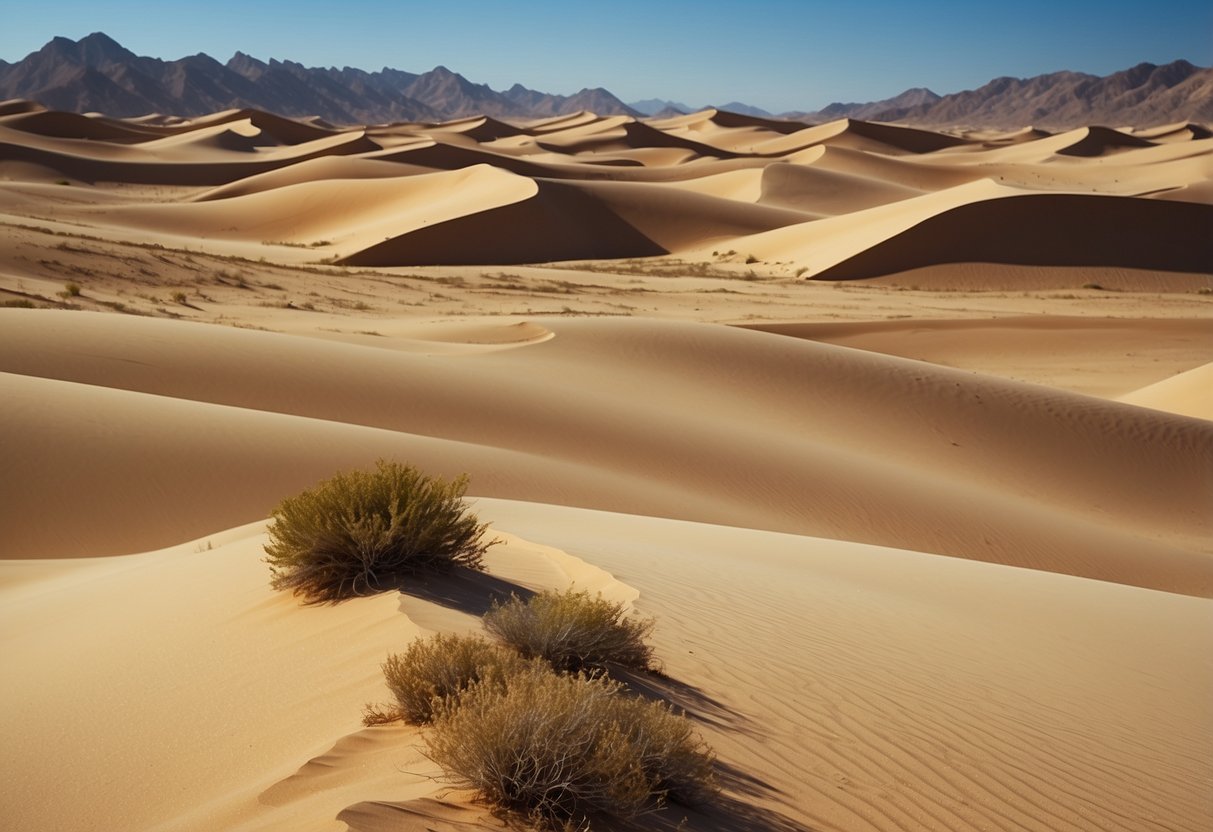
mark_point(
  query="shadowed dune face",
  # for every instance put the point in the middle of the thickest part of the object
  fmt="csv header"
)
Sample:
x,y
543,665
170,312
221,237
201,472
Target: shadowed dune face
x,y
1112,232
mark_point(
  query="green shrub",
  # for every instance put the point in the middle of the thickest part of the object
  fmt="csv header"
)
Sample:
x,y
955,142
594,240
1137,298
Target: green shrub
x,y
361,532
572,631
433,671
560,748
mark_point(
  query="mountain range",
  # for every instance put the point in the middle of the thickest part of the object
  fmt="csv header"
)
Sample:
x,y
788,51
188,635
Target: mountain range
x,y
1144,95
98,74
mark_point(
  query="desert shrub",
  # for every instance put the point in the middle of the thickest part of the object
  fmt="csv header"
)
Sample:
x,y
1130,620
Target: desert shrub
x,y
572,631
557,748
361,532
678,763
434,670
71,290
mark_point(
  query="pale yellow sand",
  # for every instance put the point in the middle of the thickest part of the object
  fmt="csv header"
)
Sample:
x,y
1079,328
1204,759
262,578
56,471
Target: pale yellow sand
x,y
928,539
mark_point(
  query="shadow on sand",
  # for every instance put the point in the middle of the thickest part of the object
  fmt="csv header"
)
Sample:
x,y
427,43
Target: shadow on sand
x,y
733,810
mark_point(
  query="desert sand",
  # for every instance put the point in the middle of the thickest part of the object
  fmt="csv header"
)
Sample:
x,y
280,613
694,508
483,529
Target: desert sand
x,y
904,438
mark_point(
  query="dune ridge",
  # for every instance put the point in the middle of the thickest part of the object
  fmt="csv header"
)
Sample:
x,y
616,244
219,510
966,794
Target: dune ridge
x,y
817,182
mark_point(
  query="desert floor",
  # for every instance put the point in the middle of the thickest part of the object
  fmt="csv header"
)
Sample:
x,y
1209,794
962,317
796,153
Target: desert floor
x,y
903,438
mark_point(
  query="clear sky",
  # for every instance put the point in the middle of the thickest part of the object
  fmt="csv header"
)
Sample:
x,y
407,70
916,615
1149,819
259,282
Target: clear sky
x,y
777,54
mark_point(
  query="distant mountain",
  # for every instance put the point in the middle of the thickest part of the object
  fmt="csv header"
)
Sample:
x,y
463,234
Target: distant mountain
x,y
653,106
745,109
658,108
915,97
97,73
1142,96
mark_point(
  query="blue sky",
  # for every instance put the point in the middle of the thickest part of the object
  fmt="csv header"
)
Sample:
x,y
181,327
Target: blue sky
x,y
776,54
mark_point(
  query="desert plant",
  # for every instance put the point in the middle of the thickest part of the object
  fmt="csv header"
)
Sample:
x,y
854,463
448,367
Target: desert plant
x,y
71,290
559,748
361,532
432,671
572,631
678,763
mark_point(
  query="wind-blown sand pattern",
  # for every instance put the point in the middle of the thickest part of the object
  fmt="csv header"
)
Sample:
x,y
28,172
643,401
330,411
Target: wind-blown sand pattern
x,y
903,437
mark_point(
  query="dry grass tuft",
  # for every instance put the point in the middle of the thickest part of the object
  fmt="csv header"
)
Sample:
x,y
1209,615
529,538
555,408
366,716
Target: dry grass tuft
x,y
572,631
433,671
361,532
559,749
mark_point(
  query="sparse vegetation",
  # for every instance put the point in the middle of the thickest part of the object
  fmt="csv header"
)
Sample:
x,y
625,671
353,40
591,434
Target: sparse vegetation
x,y
19,303
362,532
572,631
561,749
71,290
180,297
434,670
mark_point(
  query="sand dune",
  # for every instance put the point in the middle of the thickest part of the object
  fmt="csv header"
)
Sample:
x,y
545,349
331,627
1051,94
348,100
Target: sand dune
x,y
1112,234
348,212
928,538
1055,350
995,703
1188,394
961,466
816,189
841,170
579,222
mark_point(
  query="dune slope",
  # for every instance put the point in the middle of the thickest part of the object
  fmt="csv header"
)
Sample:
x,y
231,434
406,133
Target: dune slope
x,y
812,438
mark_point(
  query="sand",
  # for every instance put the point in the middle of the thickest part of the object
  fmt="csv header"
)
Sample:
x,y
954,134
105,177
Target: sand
x,y
903,438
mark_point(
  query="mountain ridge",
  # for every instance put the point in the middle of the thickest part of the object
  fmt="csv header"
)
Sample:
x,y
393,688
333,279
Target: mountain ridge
x,y
1144,95
98,74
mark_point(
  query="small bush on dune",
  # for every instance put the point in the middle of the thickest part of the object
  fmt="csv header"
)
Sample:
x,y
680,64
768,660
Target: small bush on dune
x,y
434,670
572,631
559,748
678,763
360,532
